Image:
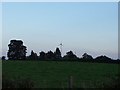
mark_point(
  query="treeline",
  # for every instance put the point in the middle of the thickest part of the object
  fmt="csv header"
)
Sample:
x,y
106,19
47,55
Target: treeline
x,y
17,51
70,56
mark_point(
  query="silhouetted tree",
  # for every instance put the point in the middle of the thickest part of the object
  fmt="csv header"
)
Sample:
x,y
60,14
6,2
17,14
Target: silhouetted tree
x,y
87,57
50,55
42,55
70,55
103,59
3,58
57,54
16,50
33,56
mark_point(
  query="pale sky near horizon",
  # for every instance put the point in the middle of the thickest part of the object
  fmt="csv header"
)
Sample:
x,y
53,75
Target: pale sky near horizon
x,y
81,27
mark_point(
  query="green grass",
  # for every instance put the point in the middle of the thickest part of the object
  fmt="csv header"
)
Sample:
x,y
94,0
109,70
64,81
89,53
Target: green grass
x,y
53,74
0,73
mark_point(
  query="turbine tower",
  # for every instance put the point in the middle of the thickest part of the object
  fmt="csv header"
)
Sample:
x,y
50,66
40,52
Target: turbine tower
x,y
61,45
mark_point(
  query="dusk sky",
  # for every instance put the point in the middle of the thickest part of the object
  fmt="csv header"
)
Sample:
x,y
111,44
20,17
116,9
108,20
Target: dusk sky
x,y
90,27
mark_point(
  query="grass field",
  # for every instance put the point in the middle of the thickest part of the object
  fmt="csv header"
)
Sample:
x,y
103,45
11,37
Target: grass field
x,y
53,74
0,74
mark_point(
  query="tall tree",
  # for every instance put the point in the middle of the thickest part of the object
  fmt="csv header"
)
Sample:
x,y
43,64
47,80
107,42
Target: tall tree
x,y
42,55
33,56
16,50
3,58
70,55
50,55
57,54
86,56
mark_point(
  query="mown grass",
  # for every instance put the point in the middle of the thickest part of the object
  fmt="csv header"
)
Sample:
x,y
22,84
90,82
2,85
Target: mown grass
x,y
0,74
55,74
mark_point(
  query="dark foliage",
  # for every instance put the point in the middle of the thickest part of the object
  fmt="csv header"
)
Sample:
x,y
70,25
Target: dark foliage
x,y
33,56
70,55
57,54
42,55
86,56
102,58
3,58
50,55
17,51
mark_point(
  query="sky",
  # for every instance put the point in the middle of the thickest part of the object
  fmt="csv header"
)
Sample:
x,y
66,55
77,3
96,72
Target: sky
x,y
90,27
59,0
